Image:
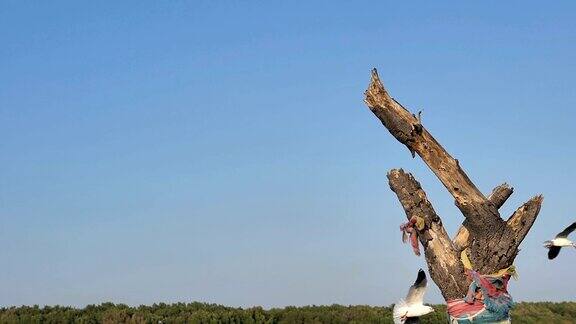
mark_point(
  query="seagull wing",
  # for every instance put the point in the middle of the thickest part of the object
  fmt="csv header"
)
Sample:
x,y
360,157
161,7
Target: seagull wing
x,y
567,231
553,252
417,290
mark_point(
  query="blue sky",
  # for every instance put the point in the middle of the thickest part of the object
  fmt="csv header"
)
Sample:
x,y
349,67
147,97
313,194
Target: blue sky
x,y
221,151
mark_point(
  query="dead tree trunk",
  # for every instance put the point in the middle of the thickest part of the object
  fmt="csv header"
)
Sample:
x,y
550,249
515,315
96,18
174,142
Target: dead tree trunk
x,y
493,242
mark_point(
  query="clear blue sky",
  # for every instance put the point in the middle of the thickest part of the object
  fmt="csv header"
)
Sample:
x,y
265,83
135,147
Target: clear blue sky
x,y
220,151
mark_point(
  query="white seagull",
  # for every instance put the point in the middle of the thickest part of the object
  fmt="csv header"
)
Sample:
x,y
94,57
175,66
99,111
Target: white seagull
x,y
560,241
407,311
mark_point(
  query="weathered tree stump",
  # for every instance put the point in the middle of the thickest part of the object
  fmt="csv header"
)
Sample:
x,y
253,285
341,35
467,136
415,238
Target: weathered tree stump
x,y
492,242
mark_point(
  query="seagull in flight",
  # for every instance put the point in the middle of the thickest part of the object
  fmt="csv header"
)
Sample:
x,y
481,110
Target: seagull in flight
x,y
408,310
560,241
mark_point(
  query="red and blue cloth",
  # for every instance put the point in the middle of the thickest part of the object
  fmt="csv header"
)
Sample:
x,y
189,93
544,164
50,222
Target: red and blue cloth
x,y
493,307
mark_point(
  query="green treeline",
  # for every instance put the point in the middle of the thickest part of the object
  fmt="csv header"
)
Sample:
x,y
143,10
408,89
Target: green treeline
x,y
543,312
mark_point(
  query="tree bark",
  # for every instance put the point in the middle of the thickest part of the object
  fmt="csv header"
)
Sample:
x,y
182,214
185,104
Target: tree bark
x,y
409,131
443,260
492,242
500,194
498,197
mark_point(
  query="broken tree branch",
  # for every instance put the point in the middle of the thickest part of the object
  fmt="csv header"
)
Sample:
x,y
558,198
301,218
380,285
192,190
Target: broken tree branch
x,y
444,261
500,194
408,129
523,218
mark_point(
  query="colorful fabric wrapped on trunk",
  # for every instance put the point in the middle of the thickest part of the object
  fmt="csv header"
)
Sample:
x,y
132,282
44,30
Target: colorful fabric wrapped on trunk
x,y
410,229
487,301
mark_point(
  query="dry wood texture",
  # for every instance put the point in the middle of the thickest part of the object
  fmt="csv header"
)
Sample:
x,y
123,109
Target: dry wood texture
x,y
493,243
443,260
498,197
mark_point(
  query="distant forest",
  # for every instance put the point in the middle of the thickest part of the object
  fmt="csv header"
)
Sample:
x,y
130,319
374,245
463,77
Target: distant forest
x,y
542,312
